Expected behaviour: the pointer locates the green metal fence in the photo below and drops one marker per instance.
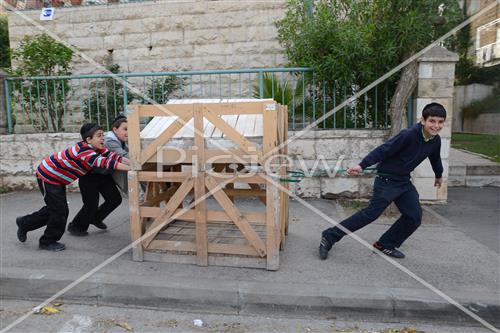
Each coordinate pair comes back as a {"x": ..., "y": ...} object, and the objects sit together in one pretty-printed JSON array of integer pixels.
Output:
[{"x": 63, "y": 103}]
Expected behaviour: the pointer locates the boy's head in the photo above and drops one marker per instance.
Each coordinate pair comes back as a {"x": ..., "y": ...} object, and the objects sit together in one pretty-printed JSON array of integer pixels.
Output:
[
  {"x": 433, "y": 117},
  {"x": 93, "y": 135},
  {"x": 119, "y": 128}
]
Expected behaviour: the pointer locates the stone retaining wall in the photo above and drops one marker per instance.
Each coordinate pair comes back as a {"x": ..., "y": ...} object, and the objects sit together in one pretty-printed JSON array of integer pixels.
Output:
[{"x": 165, "y": 35}]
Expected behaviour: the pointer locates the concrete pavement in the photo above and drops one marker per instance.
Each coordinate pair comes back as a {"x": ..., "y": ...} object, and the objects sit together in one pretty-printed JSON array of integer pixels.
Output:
[{"x": 352, "y": 282}]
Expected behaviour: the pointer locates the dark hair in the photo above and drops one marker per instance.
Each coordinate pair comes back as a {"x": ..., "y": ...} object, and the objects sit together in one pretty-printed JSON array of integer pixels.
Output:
[
  {"x": 88, "y": 130},
  {"x": 433, "y": 110},
  {"x": 118, "y": 121}
]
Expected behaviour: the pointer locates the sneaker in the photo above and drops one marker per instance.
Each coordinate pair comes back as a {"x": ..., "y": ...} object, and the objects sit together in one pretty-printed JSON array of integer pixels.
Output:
[
  {"x": 77, "y": 233},
  {"x": 55, "y": 247},
  {"x": 324, "y": 247},
  {"x": 390, "y": 252},
  {"x": 100, "y": 225},
  {"x": 21, "y": 234}
]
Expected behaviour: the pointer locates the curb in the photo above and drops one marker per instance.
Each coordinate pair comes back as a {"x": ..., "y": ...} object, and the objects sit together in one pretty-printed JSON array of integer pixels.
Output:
[{"x": 251, "y": 297}]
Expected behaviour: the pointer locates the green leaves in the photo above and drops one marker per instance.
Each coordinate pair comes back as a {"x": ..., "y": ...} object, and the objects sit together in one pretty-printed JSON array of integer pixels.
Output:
[
  {"x": 354, "y": 42},
  {"x": 41, "y": 55}
]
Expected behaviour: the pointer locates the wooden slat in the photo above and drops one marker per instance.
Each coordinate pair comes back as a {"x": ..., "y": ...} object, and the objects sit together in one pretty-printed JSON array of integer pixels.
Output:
[
  {"x": 134, "y": 140},
  {"x": 236, "y": 108},
  {"x": 269, "y": 140},
  {"x": 230, "y": 132},
  {"x": 236, "y": 216},
  {"x": 164, "y": 110},
  {"x": 240, "y": 178},
  {"x": 199, "y": 189},
  {"x": 183, "y": 246},
  {"x": 163, "y": 219},
  {"x": 212, "y": 215},
  {"x": 272, "y": 227},
  {"x": 172, "y": 156},
  {"x": 153, "y": 176},
  {"x": 135, "y": 220},
  {"x": 164, "y": 137}
]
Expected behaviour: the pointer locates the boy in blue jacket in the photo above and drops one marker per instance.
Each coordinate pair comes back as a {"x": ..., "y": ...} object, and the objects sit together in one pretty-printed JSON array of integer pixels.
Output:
[{"x": 396, "y": 159}]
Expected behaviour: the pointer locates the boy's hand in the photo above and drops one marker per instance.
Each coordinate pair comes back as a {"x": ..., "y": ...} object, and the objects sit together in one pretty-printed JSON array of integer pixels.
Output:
[
  {"x": 125, "y": 161},
  {"x": 355, "y": 170},
  {"x": 438, "y": 182}
]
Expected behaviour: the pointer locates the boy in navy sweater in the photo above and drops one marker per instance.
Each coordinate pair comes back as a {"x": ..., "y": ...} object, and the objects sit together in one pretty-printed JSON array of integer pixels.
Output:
[{"x": 396, "y": 159}]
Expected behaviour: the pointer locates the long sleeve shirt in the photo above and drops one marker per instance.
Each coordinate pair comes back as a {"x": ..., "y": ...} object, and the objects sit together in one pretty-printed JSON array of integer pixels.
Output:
[
  {"x": 404, "y": 152},
  {"x": 65, "y": 167}
]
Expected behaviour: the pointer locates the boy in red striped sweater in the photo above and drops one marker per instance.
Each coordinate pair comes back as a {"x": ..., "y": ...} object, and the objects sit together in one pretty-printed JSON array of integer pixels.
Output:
[{"x": 59, "y": 170}]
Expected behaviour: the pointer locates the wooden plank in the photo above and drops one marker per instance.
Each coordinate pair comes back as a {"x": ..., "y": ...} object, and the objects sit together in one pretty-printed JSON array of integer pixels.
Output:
[
  {"x": 163, "y": 219},
  {"x": 256, "y": 187},
  {"x": 165, "y": 245},
  {"x": 135, "y": 219},
  {"x": 213, "y": 216},
  {"x": 255, "y": 178},
  {"x": 183, "y": 246},
  {"x": 230, "y": 132},
  {"x": 134, "y": 140},
  {"x": 244, "y": 192},
  {"x": 269, "y": 140},
  {"x": 153, "y": 176},
  {"x": 236, "y": 216},
  {"x": 272, "y": 227},
  {"x": 164, "y": 137},
  {"x": 164, "y": 110},
  {"x": 185, "y": 132},
  {"x": 199, "y": 189},
  {"x": 236, "y": 108},
  {"x": 231, "y": 120},
  {"x": 172, "y": 156},
  {"x": 229, "y": 261}
]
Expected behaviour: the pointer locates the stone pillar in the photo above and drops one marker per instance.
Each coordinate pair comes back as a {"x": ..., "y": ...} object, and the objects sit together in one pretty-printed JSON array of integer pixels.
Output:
[
  {"x": 436, "y": 75},
  {"x": 3, "y": 108}
]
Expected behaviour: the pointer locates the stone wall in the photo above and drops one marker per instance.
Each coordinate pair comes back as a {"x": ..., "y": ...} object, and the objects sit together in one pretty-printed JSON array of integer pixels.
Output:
[
  {"x": 463, "y": 96},
  {"x": 486, "y": 123},
  {"x": 158, "y": 36},
  {"x": 20, "y": 154}
]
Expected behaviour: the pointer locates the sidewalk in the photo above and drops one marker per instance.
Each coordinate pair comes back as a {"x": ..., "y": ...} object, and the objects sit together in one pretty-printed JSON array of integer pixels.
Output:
[
  {"x": 353, "y": 281},
  {"x": 472, "y": 170}
]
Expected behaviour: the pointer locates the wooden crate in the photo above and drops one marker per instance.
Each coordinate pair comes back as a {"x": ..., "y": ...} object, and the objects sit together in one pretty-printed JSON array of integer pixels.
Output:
[{"x": 192, "y": 156}]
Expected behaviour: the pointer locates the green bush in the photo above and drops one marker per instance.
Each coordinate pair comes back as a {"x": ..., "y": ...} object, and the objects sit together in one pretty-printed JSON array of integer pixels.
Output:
[
  {"x": 4, "y": 42},
  {"x": 43, "y": 102}
]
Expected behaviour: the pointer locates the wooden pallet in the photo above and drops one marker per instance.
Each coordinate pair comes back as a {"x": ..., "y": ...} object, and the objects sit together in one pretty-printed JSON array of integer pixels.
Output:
[{"x": 174, "y": 223}]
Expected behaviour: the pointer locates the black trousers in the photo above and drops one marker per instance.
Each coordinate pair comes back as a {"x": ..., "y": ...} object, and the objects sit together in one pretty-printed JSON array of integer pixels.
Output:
[
  {"x": 53, "y": 215},
  {"x": 91, "y": 185},
  {"x": 385, "y": 191}
]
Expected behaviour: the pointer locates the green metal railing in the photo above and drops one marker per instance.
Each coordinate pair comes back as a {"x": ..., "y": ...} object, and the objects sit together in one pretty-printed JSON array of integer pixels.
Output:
[{"x": 63, "y": 103}]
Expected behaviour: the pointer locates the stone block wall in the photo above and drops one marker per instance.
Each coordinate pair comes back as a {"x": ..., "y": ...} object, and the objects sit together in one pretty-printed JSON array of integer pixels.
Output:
[{"x": 164, "y": 35}]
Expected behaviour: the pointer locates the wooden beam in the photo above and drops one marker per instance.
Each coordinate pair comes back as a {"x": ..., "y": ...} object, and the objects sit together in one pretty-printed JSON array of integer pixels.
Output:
[
  {"x": 164, "y": 137},
  {"x": 165, "y": 110},
  {"x": 238, "y": 219},
  {"x": 199, "y": 189},
  {"x": 134, "y": 140},
  {"x": 272, "y": 227},
  {"x": 135, "y": 219},
  {"x": 153, "y": 176},
  {"x": 230, "y": 132},
  {"x": 213, "y": 216},
  {"x": 164, "y": 218},
  {"x": 235, "y": 108}
]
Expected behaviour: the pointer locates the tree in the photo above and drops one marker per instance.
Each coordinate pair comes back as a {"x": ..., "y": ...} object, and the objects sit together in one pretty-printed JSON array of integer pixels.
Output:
[
  {"x": 353, "y": 42},
  {"x": 42, "y": 55},
  {"x": 4, "y": 42}
]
